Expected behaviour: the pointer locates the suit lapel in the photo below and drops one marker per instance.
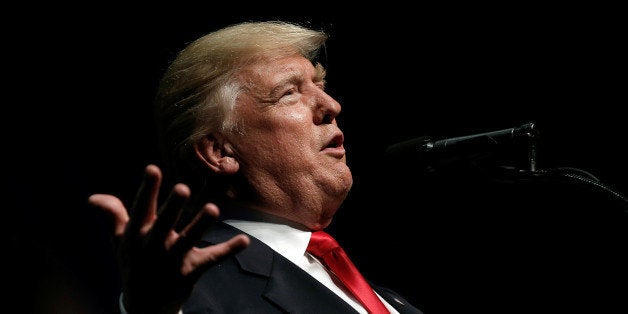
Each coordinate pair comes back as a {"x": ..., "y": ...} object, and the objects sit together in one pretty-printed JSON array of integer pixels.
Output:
[
  {"x": 288, "y": 286},
  {"x": 297, "y": 292}
]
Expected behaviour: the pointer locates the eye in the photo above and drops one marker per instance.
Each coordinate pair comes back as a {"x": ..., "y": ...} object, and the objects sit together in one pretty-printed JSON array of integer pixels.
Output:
[
  {"x": 289, "y": 95},
  {"x": 289, "y": 92}
]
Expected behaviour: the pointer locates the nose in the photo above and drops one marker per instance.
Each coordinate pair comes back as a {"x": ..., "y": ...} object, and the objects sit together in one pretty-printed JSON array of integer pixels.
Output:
[{"x": 326, "y": 108}]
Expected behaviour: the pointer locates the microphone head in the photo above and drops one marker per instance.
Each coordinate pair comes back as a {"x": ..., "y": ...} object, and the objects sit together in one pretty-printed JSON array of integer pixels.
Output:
[{"x": 411, "y": 147}]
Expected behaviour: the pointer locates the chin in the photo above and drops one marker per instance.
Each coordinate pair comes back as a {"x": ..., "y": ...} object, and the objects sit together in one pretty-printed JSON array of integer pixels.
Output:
[{"x": 345, "y": 182}]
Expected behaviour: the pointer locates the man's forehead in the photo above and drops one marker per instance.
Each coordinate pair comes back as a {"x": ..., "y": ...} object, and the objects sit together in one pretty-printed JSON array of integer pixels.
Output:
[{"x": 278, "y": 70}]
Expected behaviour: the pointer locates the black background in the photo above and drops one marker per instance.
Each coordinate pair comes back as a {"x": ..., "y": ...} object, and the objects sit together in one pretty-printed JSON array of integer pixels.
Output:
[{"x": 78, "y": 121}]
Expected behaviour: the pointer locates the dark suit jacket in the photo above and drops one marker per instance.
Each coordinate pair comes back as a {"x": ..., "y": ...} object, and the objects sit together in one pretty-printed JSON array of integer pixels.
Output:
[{"x": 260, "y": 280}]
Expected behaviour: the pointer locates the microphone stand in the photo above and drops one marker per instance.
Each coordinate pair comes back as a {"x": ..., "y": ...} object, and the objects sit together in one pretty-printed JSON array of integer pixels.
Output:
[
  {"x": 571, "y": 173},
  {"x": 483, "y": 151}
]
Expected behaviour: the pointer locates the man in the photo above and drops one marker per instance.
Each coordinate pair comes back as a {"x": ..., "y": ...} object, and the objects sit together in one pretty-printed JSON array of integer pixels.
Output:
[{"x": 246, "y": 126}]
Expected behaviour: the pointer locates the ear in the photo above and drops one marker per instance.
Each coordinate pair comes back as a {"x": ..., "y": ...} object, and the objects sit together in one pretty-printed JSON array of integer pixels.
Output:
[{"x": 217, "y": 154}]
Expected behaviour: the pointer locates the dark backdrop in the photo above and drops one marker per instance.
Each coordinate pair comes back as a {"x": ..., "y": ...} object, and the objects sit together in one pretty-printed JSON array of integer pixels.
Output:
[{"x": 463, "y": 236}]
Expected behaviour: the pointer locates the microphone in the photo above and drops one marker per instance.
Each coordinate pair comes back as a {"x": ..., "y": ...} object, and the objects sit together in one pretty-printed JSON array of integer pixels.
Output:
[{"x": 465, "y": 144}]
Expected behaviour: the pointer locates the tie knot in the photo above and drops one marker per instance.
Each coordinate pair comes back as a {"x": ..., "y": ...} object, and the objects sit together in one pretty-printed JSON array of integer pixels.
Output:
[{"x": 321, "y": 243}]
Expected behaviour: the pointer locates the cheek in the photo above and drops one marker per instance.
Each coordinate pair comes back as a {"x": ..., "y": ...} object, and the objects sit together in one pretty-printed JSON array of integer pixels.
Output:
[
  {"x": 292, "y": 131},
  {"x": 278, "y": 148},
  {"x": 283, "y": 135},
  {"x": 297, "y": 116}
]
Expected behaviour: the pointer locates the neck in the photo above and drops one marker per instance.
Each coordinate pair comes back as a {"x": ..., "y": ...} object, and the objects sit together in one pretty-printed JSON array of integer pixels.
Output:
[{"x": 233, "y": 210}]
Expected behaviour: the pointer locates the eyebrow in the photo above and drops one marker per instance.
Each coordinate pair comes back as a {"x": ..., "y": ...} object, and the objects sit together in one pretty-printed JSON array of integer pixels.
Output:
[
  {"x": 294, "y": 76},
  {"x": 320, "y": 72}
]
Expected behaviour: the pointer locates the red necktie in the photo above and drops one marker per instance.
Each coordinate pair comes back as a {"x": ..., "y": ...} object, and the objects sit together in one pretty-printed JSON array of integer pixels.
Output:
[{"x": 323, "y": 246}]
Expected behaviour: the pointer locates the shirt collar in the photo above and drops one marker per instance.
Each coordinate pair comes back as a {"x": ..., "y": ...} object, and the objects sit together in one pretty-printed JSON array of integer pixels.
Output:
[{"x": 285, "y": 240}]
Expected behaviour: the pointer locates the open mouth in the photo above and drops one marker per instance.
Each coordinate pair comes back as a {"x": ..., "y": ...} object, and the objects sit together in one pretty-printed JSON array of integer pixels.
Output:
[{"x": 336, "y": 141}]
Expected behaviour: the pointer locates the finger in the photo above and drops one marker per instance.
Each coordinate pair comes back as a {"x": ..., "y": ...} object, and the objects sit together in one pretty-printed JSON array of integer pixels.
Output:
[
  {"x": 114, "y": 207},
  {"x": 197, "y": 260},
  {"x": 170, "y": 213},
  {"x": 144, "y": 209},
  {"x": 190, "y": 235}
]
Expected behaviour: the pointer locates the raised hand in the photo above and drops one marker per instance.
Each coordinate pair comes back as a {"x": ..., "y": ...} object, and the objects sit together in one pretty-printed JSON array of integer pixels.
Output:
[{"x": 160, "y": 266}]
